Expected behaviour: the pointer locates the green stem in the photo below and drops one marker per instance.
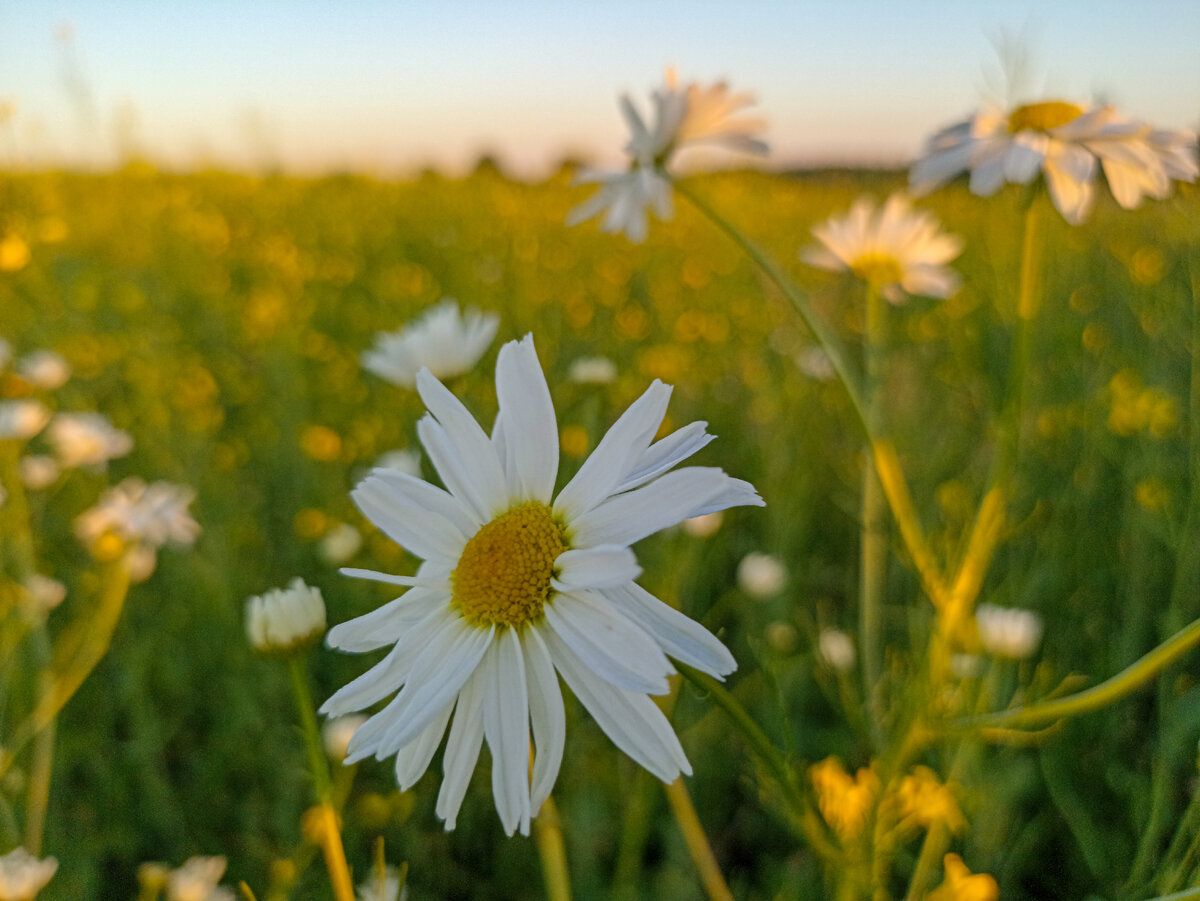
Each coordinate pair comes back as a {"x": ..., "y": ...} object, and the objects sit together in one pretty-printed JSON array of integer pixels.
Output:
[
  {"x": 873, "y": 551},
  {"x": 824, "y": 336},
  {"x": 1123, "y": 683},
  {"x": 767, "y": 753},
  {"x": 317, "y": 765},
  {"x": 547, "y": 833}
]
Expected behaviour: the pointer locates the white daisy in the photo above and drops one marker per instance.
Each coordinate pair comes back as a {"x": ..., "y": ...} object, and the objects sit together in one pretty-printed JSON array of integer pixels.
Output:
[
  {"x": 1008, "y": 631},
  {"x": 149, "y": 515},
  {"x": 22, "y": 875},
  {"x": 86, "y": 439},
  {"x": 1066, "y": 143},
  {"x": 681, "y": 117},
  {"x": 22, "y": 419},
  {"x": 197, "y": 880},
  {"x": 45, "y": 369},
  {"x": 897, "y": 250},
  {"x": 518, "y": 583},
  {"x": 445, "y": 341},
  {"x": 285, "y": 619}
]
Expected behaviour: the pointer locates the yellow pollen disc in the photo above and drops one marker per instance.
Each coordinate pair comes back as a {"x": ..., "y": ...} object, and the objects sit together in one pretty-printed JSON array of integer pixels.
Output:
[
  {"x": 878, "y": 269},
  {"x": 1043, "y": 116},
  {"x": 503, "y": 575}
]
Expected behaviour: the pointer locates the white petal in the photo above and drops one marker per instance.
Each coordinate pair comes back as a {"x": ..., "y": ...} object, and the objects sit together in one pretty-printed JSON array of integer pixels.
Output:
[
  {"x": 931, "y": 281},
  {"x": 987, "y": 175},
  {"x": 1069, "y": 175},
  {"x": 546, "y": 715},
  {"x": 663, "y": 454},
  {"x": 437, "y": 674},
  {"x": 388, "y": 674},
  {"x": 472, "y": 444},
  {"x": 454, "y": 469},
  {"x": 429, "y": 497},
  {"x": 1024, "y": 157},
  {"x": 434, "y": 580},
  {"x": 384, "y": 625},
  {"x": 631, "y": 720},
  {"x": 678, "y": 635},
  {"x": 595, "y": 567},
  {"x": 506, "y": 725},
  {"x": 607, "y": 643},
  {"x": 737, "y": 493},
  {"x": 632, "y": 516},
  {"x": 606, "y": 466},
  {"x": 423, "y": 532},
  {"x": 413, "y": 759},
  {"x": 462, "y": 748},
  {"x": 530, "y": 427}
]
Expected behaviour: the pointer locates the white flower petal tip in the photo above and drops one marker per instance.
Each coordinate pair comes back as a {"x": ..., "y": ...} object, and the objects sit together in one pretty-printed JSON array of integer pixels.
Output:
[
  {"x": 1067, "y": 144},
  {"x": 518, "y": 587},
  {"x": 444, "y": 340},
  {"x": 682, "y": 117},
  {"x": 893, "y": 248}
]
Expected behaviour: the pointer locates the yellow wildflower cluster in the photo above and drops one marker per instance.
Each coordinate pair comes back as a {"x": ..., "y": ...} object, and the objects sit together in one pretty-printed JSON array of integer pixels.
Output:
[
  {"x": 962, "y": 885},
  {"x": 845, "y": 801},
  {"x": 1135, "y": 408},
  {"x": 924, "y": 800}
]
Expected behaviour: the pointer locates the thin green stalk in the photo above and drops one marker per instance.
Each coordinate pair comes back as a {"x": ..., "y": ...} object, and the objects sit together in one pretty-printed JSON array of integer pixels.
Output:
[
  {"x": 767, "y": 753},
  {"x": 873, "y": 550},
  {"x": 825, "y": 338},
  {"x": 1123, "y": 683},
  {"x": 325, "y": 817},
  {"x": 547, "y": 833},
  {"x": 697, "y": 842}
]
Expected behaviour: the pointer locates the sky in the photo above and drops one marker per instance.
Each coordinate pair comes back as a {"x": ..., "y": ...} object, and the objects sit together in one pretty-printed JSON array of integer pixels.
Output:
[{"x": 390, "y": 87}]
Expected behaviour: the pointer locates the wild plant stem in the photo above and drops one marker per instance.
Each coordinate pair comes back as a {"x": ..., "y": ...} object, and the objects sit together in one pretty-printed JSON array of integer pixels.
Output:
[
  {"x": 873, "y": 550},
  {"x": 547, "y": 832},
  {"x": 697, "y": 842}
]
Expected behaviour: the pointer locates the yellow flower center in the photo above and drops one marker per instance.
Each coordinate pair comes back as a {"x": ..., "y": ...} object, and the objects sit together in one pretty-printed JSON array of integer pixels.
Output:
[
  {"x": 503, "y": 575},
  {"x": 1043, "y": 116},
  {"x": 878, "y": 268}
]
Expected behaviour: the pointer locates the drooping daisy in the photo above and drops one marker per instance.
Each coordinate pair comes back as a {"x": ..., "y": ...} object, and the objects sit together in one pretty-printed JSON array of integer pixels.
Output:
[
  {"x": 1064, "y": 142},
  {"x": 681, "y": 117},
  {"x": 135, "y": 519},
  {"x": 444, "y": 340},
  {"x": 894, "y": 248},
  {"x": 86, "y": 439},
  {"x": 22, "y": 875},
  {"x": 518, "y": 583}
]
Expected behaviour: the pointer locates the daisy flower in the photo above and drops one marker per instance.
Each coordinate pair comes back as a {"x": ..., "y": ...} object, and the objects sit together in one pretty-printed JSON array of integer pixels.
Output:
[
  {"x": 896, "y": 250},
  {"x": 517, "y": 583},
  {"x": 681, "y": 117},
  {"x": 444, "y": 340},
  {"x": 285, "y": 619},
  {"x": 22, "y": 875},
  {"x": 138, "y": 518},
  {"x": 86, "y": 439},
  {"x": 1064, "y": 142}
]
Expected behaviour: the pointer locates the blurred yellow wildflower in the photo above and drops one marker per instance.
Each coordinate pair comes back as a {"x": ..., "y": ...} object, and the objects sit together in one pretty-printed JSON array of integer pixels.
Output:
[
  {"x": 309, "y": 524},
  {"x": 574, "y": 440},
  {"x": 1135, "y": 408},
  {"x": 923, "y": 799},
  {"x": 844, "y": 801},
  {"x": 14, "y": 253},
  {"x": 962, "y": 885},
  {"x": 1152, "y": 494},
  {"x": 320, "y": 443}
]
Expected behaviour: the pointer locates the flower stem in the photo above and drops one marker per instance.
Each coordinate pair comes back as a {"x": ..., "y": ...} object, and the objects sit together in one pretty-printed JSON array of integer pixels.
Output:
[
  {"x": 824, "y": 337},
  {"x": 697, "y": 842},
  {"x": 1125, "y": 682},
  {"x": 873, "y": 551},
  {"x": 547, "y": 832},
  {"x": 325, "y": 816}
]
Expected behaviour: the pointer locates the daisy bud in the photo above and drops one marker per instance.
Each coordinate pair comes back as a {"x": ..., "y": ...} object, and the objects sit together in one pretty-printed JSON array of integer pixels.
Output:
[
  {"x": 285, "y": 620},
  {"x": 704, "y": 525},
  {"x": 1008, "y": 632},
  {"x": 837, "y": 649},
  {"x": 337, "y": 732},
  {"x": 22, "y": 875},
  {"x": 761, "y": 575}
]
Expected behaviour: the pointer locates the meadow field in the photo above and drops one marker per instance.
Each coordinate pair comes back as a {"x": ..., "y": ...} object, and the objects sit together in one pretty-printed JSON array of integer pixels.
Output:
[{"x": 219, "y": 320}]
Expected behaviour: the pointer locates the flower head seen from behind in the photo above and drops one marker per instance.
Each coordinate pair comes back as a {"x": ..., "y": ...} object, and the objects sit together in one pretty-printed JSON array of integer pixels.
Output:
[
  {"x": 285, "y": 619},
  {"x": 444, "y": 340},
  {"x": 135, "y": 520},
  {"x": 681, "y": 117},
  {"x": 893, "y": 248},
  {"x": 518, "y": 584},
  {"x": 197, "y": 880},
  {"x": 1065, "y": 143},
  {"x": 87, "y": 439},
  {"x": 22, "y": 875}
]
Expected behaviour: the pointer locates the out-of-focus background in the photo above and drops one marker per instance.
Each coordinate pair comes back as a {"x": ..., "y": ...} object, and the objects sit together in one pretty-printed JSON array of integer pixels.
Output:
[{"x": 391, "y": 87}]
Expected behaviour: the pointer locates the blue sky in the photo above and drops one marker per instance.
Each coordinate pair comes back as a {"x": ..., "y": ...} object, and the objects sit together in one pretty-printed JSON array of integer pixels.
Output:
[{"x": 392, "y": 86}]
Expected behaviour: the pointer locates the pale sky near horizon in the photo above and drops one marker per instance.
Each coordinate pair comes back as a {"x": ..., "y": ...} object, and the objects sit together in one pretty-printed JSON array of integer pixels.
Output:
[{"x": 389, "y": 87}]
